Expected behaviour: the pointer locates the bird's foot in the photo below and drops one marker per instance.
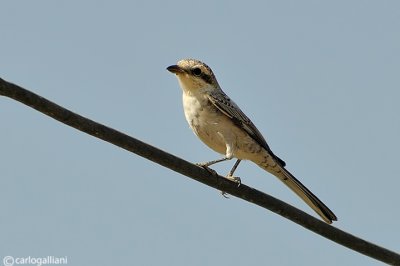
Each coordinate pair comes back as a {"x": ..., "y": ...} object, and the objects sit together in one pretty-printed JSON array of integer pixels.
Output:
[
  {"x": 205, "y": 166},
  {"x": 235, "y": 179},
  {"x": 224, "y": 194}
]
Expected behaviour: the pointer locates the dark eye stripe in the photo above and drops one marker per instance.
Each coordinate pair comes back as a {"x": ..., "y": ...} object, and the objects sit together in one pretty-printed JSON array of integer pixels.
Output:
[
  {"x": 197, "y": 72},
  {"x": 206, "y": 78}
]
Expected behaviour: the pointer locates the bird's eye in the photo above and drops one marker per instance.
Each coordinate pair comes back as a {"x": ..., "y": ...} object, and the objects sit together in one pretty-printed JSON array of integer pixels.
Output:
[{"x": 196, "y": 71}]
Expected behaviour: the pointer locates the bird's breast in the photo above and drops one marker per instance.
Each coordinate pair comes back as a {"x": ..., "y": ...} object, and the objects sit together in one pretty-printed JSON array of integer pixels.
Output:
[
  {"x": 217, "y": 130},
  {"x": 206, "y": 121}
]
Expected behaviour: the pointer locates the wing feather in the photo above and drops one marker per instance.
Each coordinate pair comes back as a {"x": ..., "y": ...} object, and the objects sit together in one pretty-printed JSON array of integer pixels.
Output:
[{"x": 229, "y": 108}]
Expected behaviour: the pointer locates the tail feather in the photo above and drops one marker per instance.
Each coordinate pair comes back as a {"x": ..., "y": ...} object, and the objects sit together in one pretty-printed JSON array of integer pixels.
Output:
[{"x": 304, "y": 193}]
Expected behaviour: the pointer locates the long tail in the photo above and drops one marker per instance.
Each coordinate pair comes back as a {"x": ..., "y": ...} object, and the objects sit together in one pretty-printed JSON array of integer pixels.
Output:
[{"x": 304, "y": 193}]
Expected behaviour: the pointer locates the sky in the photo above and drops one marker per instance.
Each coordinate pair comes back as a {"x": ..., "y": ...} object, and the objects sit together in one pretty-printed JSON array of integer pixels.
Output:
[{"x": 320, "y": 79}]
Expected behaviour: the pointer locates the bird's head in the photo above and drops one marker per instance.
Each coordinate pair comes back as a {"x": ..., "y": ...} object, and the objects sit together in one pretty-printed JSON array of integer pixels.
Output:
[{"x": 194, "y": 75}]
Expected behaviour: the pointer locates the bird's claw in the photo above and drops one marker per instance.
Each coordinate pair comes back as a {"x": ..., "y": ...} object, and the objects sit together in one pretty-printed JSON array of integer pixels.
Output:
[
  {"x": 235, "y": 179},
  {"x": 224, "y": 194},
  {"x": 232, "y": 178},
  {"x": 211, "y": 171}
]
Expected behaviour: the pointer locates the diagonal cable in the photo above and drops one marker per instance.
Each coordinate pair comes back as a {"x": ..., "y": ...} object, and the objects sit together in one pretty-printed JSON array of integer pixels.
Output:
[{"x": 197, "y": 173}]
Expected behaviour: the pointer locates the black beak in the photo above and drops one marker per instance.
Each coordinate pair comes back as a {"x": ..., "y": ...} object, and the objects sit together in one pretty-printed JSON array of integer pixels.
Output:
[{"x": 175, "y": 69}]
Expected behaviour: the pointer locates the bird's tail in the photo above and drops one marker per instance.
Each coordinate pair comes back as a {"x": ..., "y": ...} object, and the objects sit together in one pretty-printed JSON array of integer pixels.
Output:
[{"x": 304, "y": 193}]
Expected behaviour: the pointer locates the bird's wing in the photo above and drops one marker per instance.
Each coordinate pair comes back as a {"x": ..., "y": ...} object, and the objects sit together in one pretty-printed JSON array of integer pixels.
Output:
[{"x": 229, "y": 108}]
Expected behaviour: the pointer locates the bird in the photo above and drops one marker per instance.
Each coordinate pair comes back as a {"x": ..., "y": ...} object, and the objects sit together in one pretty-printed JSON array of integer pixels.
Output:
[{"x": 222, "y": 126}]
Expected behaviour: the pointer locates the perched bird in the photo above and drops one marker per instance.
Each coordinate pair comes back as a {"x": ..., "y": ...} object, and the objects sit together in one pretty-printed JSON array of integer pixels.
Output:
[{"x": 223, "y": 127}]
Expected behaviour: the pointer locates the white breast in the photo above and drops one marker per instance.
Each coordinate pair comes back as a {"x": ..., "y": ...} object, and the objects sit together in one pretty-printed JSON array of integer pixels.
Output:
[
  {"x": 216, "y": 129},
  {"x": 205, "y": 121}
]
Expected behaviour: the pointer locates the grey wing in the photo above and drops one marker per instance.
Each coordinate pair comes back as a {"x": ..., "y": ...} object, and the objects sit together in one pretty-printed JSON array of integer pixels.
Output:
[{"x": 229, "y": 108}]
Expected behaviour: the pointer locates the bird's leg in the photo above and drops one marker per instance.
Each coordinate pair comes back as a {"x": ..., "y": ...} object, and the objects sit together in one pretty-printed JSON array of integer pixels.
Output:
[
  {"x": 230, "y": 174},
  {"x": 232, "y": 178},
  {"x": 207, "y": 164},
  {"x": 234, "y": 167}
]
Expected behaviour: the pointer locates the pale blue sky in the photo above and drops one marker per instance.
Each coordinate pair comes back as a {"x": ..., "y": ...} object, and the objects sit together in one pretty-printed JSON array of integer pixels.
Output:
[{"x": 319, "y": 79}]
